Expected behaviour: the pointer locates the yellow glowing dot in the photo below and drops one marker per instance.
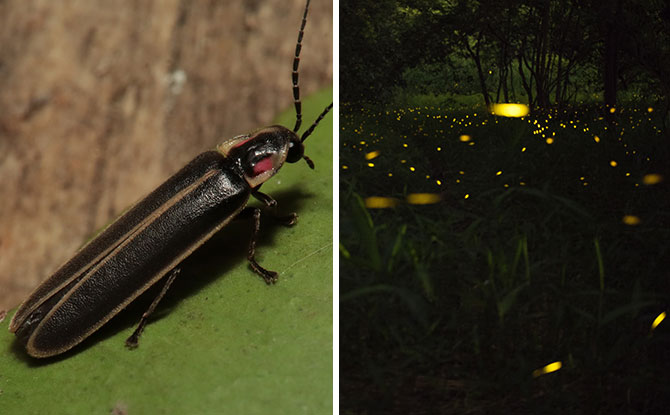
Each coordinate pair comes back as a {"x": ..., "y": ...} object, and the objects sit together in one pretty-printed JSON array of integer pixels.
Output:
[
  {"x": 403, "y": 161},
  {"x": 549, "y": 140},
  {"x": 423, "y": 198},
  {"x": 404, "y": 144},
  {"x": 362, "y": 143},
  {"x": 390, "y": 174},
  {"x": 499, "y": 172},
  {"x": 439, "y": 149},
  {"x": 612, "y": 110},
  {"x": 650, "y": 109},
  {"x": 461, "y": 172},
  {"x": 523, "y": 149},
  {"x": 464, "y": 138},
  {"x": 510, "y": 110},
  {"x": 466, "y": 196},
  {"x": 631, "y": 220},
  {"x": 596, "y": 138},
  {"x": 376, "y": 202},
  {"x": 613, "y": 163},
  {"x": 412, "y": 169},
  {"x": 371, "y": 164},
  {"x": 652, "y": 178},
  {"x": 551, "y": 367},
  {"x": 439, "y": 182},
  {"x": 345, "y": 167},
  {"x": 371, "y": 155}
]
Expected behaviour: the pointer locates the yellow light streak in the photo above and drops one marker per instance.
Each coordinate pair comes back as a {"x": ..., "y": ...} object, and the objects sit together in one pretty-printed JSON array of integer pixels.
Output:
[
  {"x": 378, "y": 202},
  {"x": 658, "y": 320},
  {"x": 423, "y": 198},
  {"x": 551, "y": 367}
]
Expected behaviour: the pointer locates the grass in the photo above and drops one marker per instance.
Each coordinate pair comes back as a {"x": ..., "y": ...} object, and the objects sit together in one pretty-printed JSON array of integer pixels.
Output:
[{"x": 508, "y": 244}]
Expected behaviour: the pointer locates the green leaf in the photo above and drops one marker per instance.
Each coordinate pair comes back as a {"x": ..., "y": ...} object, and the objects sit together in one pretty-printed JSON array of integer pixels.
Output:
[{"x": 221, "y": 341}]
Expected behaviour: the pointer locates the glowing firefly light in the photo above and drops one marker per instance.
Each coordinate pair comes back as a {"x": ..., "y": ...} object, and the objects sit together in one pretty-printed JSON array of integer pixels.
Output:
[
  {"x": 510, "y": 110},
  {"x": 652, "y": 178},
  {"x": 371, "y": 155},
  {"x": 631, "y": 220},
  {"x": 423, "y": 198},
  {"x": 596, "y": 138},
  {"x": 377, "y": 202},
  {"x": 658, "y": 320},
  {"x": 465, "y": 138},
  {"x": 613, "y": 163},
  {"x": 551, "y": 367}
]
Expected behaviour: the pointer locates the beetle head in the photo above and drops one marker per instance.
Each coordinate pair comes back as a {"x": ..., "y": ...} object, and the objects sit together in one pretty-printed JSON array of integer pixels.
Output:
[{"x": 262, "y": 153}]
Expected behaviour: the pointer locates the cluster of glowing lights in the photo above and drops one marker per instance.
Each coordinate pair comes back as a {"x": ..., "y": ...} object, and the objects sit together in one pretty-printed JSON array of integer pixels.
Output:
[{"x": 462, "y": 131}]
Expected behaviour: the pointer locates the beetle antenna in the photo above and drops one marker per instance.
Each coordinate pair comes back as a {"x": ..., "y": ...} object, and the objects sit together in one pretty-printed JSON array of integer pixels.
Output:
[
  {"x": 295, "y": 75},
  {"x": 316, "y": 122}
]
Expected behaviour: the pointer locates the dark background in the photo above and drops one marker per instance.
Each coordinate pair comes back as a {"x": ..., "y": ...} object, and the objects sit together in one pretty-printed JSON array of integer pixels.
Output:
[{"x": 543, "y": 239}]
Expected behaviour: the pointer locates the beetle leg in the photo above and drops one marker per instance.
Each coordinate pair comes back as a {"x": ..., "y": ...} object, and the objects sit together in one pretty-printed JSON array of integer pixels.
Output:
[
  {"x": 270, "y": 277},
  {"x": 265, "y": 198},
  {"x": 287, "y": 220},
  {"x": 132, "y": 341}
]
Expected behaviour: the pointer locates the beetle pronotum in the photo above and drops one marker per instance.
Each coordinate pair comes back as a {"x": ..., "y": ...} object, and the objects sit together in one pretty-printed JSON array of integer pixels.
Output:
[{"x": 147, "y": 243}]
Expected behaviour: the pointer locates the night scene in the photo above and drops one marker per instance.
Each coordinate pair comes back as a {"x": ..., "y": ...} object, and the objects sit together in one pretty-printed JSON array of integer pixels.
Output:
[{"x": 504, "y": 207}]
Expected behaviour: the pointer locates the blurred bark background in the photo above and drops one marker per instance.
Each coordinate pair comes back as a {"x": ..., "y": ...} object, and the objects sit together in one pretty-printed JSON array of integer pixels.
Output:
[{"x": 101, "y": 101}]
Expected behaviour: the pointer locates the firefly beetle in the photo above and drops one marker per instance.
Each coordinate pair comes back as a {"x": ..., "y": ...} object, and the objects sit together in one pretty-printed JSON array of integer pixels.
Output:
[{"x": 147, "y": 243}]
